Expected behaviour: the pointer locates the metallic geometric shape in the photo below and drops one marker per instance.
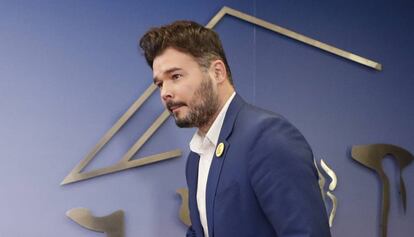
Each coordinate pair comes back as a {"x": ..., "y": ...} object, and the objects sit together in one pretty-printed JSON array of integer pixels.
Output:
[
  {"x": 331, "y": 173},
  {"x": 184, "y": 210},
  {"x": 371, "y": 156},
  {"x": 334, "y": 201},
  {"x": 291, "y": 34},
  {"x": 112, "y": 225},
  {"x": 125, "y": 163}
]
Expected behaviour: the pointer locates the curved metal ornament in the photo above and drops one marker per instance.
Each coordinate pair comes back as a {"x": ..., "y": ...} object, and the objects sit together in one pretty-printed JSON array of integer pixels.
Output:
[
  {"x": 371, "y": 156},
  {"x": 331, "y": 188},
  {"x": 112, "y": 225},
  {"x": 334, "y": 202},
  {"x": 184, "y": 212}
]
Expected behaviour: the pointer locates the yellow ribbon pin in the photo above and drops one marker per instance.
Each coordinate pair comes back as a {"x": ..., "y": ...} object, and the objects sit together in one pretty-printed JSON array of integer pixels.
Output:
[{"x": 220, "y": 149}]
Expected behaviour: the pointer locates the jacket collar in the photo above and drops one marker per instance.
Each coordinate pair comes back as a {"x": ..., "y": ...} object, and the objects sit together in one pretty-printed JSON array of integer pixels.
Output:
[{"x": 231, "y": 116}]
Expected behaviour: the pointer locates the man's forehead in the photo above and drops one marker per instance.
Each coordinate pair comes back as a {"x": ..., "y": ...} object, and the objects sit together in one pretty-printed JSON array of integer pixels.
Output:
[{"x": 171, "y": 60}]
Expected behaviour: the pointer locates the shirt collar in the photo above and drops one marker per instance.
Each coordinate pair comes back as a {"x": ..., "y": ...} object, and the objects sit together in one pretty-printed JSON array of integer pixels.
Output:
[{"x": 199, "y": 143}]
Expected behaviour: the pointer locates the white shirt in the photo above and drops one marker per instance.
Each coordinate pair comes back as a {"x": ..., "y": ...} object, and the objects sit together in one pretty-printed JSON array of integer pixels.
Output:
[{"x": 205, "y": 147}]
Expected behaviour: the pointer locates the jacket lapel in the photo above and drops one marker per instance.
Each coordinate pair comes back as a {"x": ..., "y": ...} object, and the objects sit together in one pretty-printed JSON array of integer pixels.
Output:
[
  {"x": 192, "y": 177},
  {"x": 217, "y": 163}
]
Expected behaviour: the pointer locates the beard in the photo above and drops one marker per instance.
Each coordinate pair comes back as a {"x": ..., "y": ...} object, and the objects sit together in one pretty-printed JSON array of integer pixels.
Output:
[{"x": 202, "y": 107}]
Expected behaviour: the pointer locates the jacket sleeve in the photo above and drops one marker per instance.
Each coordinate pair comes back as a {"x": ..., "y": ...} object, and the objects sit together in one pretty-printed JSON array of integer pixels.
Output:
[
  {"x": 190, "y": 232},
  {"x": 284, "y": 179}
]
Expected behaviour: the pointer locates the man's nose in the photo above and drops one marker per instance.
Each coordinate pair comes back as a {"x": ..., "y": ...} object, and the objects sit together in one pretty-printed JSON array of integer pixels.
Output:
[{"x": 166, "y": 92}]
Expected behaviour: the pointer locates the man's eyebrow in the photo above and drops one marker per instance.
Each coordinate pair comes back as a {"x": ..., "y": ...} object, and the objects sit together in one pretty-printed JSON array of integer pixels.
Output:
[{"x": 169, "y": 71}]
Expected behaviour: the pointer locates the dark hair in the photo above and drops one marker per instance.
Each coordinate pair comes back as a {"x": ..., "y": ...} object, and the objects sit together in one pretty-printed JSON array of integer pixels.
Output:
[{"x": 188, "y": 37}]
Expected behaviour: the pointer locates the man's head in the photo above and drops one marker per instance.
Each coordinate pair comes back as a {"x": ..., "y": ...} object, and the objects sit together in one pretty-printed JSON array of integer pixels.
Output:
[
  {"x": 188, "y": 37},
  {"x": 190, "y": 68}
]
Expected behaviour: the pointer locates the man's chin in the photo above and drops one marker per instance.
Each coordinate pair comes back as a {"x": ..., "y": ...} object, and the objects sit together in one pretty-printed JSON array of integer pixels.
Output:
[{"x": 183, "y": 123}]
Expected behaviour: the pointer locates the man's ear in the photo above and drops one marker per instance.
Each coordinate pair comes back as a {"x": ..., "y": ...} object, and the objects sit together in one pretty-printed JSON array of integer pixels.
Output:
[{"x": 218, "y": 71}]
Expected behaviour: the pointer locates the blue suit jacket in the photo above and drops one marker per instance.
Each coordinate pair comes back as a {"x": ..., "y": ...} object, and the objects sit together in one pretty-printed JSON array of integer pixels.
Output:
[{"x": 263, "y": 185}]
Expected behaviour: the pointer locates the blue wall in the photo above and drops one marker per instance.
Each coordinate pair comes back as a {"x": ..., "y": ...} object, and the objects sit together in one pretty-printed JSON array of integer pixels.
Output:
[{"x": 70, "y": 69}]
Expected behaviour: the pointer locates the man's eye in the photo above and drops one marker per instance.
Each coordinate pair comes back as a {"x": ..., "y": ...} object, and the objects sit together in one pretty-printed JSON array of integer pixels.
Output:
[
  {"x": 159, "y": 85},
  {"x": 176, "y": 76}
]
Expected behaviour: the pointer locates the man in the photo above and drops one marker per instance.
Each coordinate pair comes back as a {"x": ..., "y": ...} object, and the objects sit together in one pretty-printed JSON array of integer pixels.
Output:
[{"x": 250, "y": 172}]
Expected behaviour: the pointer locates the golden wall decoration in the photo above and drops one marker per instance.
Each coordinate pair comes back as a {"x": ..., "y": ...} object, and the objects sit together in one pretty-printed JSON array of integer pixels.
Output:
[
  {"x": 293, "y": 35},
  {"x": 184, "y": 212},
  {"x": 125, "y": 163},
  {"x": 371, "y": 156},
  {"x": 112, "y": 225}
]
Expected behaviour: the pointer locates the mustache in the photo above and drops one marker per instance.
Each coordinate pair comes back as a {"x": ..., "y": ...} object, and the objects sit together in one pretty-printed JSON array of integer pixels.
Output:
[{"x": 170, "y": 104}]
